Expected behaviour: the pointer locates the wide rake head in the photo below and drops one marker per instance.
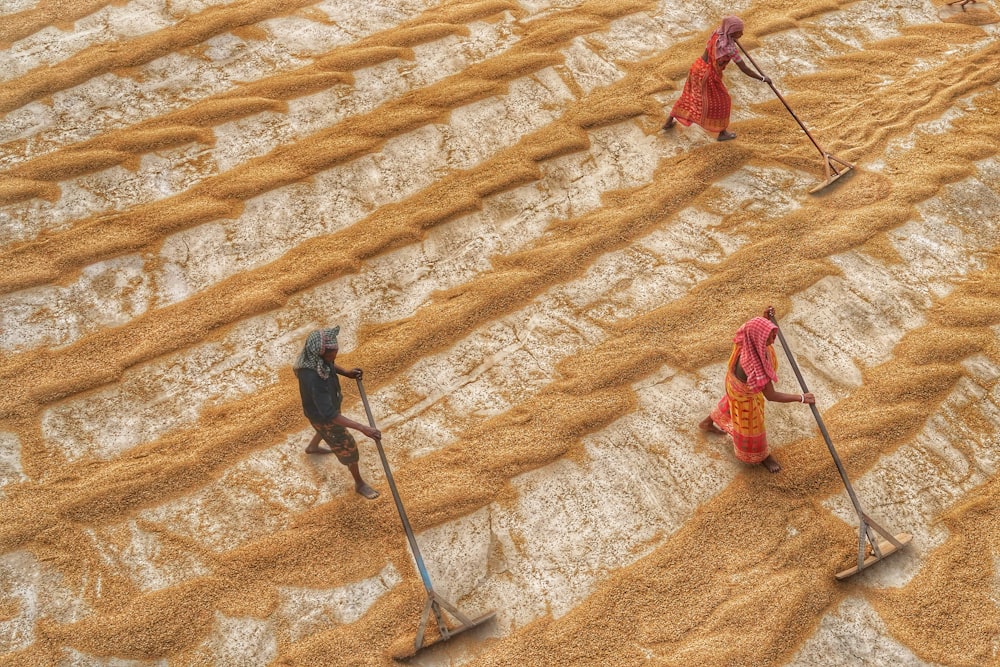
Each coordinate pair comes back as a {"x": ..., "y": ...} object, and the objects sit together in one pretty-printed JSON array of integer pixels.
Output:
[
  {"x": 885, "y": 549},
  {"x": 834, "y": 168}
]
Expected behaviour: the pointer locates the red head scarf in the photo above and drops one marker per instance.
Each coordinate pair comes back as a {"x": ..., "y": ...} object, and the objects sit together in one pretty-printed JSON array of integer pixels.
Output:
[
  {"x": 724, "y": 45},
  {"x": 754, "y": 357}
]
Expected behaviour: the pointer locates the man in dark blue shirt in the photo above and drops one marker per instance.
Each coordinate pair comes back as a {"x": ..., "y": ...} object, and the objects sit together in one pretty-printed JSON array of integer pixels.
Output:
[{"x": 319, "y": 389}]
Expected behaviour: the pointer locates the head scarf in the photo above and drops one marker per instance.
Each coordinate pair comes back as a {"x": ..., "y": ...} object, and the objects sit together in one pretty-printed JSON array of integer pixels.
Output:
[
  {"x": 317, "y": 343},
  {"x": 754, "y": 357},
  {"x": 725, "y": 45}
]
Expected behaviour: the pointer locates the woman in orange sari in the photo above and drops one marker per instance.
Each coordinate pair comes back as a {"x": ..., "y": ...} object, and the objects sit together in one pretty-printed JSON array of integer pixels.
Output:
[
  {"x": 705, "y": 100},
  {"x": 750, "y": 377}
]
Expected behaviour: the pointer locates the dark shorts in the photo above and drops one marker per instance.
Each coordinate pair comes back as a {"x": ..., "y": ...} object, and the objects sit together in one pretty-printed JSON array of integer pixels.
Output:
[{"x": 340, "y": 441}]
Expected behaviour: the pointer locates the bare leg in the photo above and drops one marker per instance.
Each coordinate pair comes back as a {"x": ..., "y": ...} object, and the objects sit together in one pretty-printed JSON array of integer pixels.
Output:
[
  {"x": 726, "y": 135},
  {"x": 671, "y": 121},
  {"x": 360, "y": 485},
  {"x": 708, "y": 426},
  {"x": 313, "y": 446},
  {"x": 771, "y": 464}
]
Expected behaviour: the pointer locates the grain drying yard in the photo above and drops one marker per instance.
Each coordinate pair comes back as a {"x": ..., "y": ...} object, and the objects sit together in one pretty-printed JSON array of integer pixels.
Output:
[{"x": 541, "y": 286}]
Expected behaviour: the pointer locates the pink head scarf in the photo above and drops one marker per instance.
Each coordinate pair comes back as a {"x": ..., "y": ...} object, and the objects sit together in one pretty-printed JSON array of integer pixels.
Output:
[
  {"x": 754, "y": 357},
  {"x": 724, "y": 45}
]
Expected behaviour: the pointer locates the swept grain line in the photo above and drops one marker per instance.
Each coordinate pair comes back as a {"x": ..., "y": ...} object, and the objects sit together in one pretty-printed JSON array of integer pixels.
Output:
[
  {"x": 56, "y": 255},
  {"x": 756, "y": 502},
  {"x": 99, "y": 59},
  {"x": 954, "y": 590},
  {"x": 682, "y": 598},
  {"x": 694, "y": 614},
  {"x": 37, "y": 177},
  {"x": 48, "y": 12},
  {"x": 598, "y": 383},
  {"x": 270, "y": 286},
  {"x": 565, "y": 253},
  {"x": 683, "y": 603}
]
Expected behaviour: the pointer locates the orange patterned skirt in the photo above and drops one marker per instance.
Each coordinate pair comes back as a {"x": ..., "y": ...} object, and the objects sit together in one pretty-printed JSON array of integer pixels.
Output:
[
  {"x": 705, "y": 100},
  {"x": 740, "y": 413}
]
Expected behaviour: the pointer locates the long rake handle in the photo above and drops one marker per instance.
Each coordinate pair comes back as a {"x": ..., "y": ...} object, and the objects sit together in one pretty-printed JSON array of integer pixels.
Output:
[
  {"x": 866, "y": 521},
  {"x": 395, "y": 496},
  {"x": 819, "y": 422},
  {"x": 804, "y": 129}
]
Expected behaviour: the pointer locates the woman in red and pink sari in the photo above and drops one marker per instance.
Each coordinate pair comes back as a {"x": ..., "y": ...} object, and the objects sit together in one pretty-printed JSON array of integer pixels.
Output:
[
  {"x": 750, "y": 377},
  {"x": 705, "y": 100}
]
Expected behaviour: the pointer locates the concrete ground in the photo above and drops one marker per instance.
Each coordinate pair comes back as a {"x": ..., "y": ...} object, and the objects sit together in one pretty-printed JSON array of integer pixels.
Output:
[{"x": 541, "y": 286}]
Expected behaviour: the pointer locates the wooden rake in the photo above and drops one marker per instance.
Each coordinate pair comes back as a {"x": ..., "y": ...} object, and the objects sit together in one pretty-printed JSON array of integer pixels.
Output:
[
  {"x": 833, "y": 166},
  {"x": 880, "y": 549},
  {"x": 435, "y": 603}
]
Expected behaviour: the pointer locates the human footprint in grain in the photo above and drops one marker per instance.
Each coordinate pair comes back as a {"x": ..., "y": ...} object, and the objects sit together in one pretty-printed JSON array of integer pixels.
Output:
[
  {"x": 319, "y": 388},
  {"x": 750, "y": 376}
]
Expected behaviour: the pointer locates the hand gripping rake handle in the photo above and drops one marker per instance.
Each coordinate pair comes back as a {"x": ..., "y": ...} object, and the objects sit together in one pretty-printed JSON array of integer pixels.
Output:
[{"x": 866, "y": 521}]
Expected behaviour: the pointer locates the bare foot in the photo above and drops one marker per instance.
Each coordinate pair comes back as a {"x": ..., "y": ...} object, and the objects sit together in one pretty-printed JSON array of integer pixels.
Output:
[
  {"x": 771, "y": 464},
  {"x": 313, "y": 449},
  {"x": 366, "y": 491},
  {"x": 708, "y": 426},
  {"x": 671, "y": 121},
  {"x": 725, "y": 135}
]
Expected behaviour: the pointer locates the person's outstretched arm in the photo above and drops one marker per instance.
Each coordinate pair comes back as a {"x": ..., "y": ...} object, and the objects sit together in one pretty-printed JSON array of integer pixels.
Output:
[
  {"x": 320, "y": 393},
  {"x": 354, "y": 373},
  {"x": 750, "y": 73},
  {"x": 772, "y": 394},
  {"x": 372, "y": 433}
]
